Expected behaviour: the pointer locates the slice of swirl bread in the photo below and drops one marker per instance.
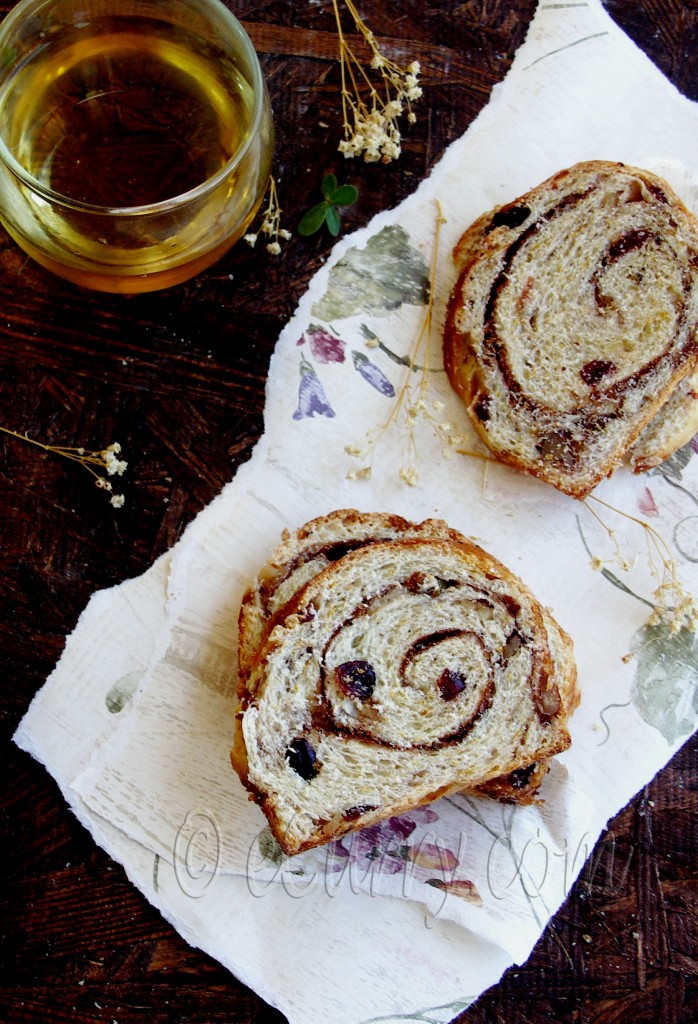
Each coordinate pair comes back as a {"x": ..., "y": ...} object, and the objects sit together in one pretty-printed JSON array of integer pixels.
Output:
[
  {"x": 300, "y": 556},
  {"x": 405, "y": 670},
  {"x": 675, "y": 425},
  {"x": 574, "y": 319}
]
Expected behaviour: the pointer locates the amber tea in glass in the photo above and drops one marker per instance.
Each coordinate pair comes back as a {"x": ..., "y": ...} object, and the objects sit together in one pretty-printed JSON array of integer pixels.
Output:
[{"x": 135, "y": 137}]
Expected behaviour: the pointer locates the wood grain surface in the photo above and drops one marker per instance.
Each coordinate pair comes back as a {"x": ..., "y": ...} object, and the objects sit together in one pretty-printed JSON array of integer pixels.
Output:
[{"x": 177, "y": 378}]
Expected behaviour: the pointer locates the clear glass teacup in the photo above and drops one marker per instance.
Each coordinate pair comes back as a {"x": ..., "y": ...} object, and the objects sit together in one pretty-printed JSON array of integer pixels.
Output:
[{"x": 135, "y": 137}]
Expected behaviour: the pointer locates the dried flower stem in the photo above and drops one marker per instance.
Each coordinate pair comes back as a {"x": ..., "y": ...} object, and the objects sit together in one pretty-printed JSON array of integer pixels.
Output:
[
  {"x": 412, "y": 395},
  {"x": 370, "y": 126},
  {"x": 271, "y": 222},
  {"x": 673, "y": 605},
  {"x": 477, "y": 455},
  {"x": 411, "y": 401},
  {"x": 106, "y": 460}
]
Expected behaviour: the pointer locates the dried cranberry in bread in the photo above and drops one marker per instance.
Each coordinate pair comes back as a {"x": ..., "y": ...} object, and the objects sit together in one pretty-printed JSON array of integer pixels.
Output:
[
  {"x": 574, "y": 320},
  {"x": 405, "y": 670},
  {"x": 304, "y": 553}
]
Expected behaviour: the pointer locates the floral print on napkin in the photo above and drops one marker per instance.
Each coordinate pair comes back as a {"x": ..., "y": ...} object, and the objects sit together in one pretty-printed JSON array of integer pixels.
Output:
[
  {"x": 665, "y": 688},
  {"x": 434, "y": 1015},
  {"x": 387, "y": 273},
  {"x": 377, "y": 279},
  {"x": 311, "y": 394},
  {"x": 395, "y": 846}
]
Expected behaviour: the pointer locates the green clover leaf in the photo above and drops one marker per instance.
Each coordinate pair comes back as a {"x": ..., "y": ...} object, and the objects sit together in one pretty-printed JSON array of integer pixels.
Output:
[
  {"x": 332, "y": 220},
  {"x": 345, "y": 195},
  {"x": 313, "y": 220},
  {"x": 327, "y": 212},
  {"x": 329, "y": 185}
]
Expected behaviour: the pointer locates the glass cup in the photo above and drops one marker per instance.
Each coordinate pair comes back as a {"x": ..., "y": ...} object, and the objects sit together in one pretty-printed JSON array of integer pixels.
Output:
[{"x": 135, "y": 137}]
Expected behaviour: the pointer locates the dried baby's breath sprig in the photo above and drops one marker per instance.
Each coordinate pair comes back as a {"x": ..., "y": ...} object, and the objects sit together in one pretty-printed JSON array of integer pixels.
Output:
[
  {"x": 271, "y": 223},
  {"x": 371, "y": 117},
  {"x": 412, "y": 403},
  {"x": 672, "y": 605},
  {"x": 98, "y": 463},
  {"x": 483, "y": 456}
]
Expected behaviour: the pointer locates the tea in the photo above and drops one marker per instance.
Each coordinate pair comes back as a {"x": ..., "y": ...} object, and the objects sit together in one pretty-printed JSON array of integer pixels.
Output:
[{"x": 120, "y": 114}]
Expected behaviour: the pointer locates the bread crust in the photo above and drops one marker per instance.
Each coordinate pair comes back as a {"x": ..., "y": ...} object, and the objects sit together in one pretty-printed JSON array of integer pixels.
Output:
[
  {"x": 674, "y": 426},
  {"x": 364, "y": 602},
  {"x": 301, "y": 555},
  {"x": 574, "y": 319}
]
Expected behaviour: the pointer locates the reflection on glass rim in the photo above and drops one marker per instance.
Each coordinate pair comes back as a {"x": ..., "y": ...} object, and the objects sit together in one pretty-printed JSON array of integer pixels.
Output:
[{"x": 209, "y": 185}]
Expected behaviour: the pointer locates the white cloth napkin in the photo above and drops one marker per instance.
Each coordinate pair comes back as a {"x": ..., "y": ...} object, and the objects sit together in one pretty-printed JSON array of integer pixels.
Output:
[{"x": 415, "y": 918}]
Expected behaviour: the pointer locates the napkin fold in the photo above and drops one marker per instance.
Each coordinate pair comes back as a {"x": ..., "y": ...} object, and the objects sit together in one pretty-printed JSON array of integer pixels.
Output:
[{"x": 414, "y": 919}]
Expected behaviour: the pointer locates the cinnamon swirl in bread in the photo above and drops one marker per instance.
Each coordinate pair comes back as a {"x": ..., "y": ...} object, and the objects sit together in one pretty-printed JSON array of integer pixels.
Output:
[
  {"x": 403, "y": 670},
  {"x": 311, "y": 548},
  {"x": 304, "y": 553},
  {"x": 574, "y": 321}
]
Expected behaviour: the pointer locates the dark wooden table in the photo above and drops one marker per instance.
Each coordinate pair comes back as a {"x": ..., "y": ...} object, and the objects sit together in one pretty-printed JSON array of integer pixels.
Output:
[{"x": 178, "y": 378}]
